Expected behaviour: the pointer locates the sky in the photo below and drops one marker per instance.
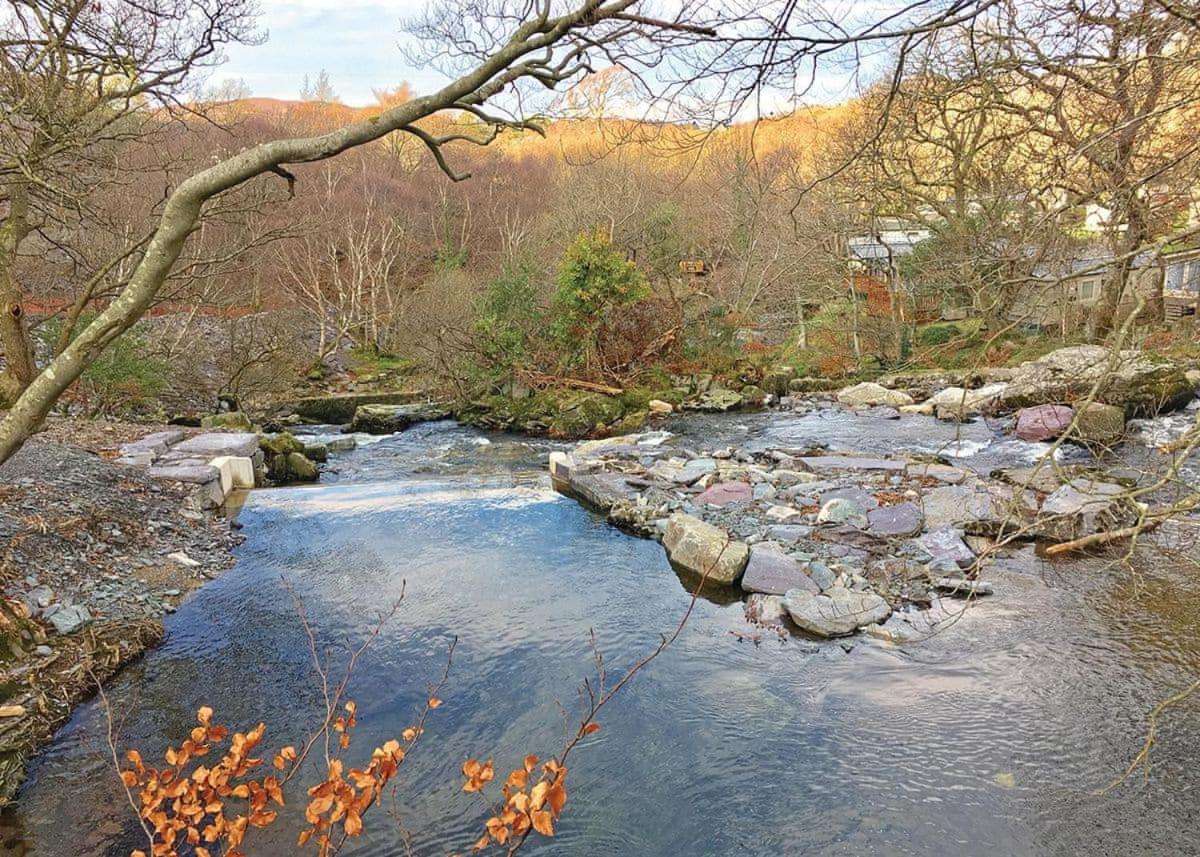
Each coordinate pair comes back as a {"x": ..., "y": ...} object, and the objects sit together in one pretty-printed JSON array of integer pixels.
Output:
[{"x": 355, "y": 41}]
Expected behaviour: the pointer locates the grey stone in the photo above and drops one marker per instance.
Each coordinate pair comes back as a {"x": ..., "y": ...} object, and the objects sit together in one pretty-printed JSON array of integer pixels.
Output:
[
  {"x": 773, "y": 572},
  {"x": 1083, "y": 507},
  {"x": 765, "y": 609},
  {"x": 946, "y": 544},
  {"x": 903, "y": 519},
  {"x": 195, "y": 474},
  {"x": 388, "y": 419},
  {"x": 790, "y": 533},
  {"x": 958, "y": 587},
  {"x": 977, "y": 510},
  {"x": 849, "y": 462},
  {"x": 821, "y": 574},
  {"x": 213, "y": 444},
  {"x": 68, "y": 620},
  {"x": 841, "y": 510},
  {"x": 1137, "y": 383},
  {"x": 836, "y": 612},
  {"x": 858, "y": 496}
]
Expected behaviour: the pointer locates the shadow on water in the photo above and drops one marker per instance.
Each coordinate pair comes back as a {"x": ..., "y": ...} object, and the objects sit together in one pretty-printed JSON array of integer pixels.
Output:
[{"x": 988, "y": 739}]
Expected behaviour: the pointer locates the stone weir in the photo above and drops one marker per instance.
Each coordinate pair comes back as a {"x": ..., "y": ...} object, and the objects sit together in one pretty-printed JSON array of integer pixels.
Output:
[
  {"x": 835, "y": 544},
  {"x": 217, "y": 463}
]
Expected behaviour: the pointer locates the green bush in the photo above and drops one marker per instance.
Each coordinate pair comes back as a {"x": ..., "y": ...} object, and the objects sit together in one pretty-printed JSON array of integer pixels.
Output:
[
  {"x": 507, "y": 319},
  {"x": 594, "y": 279},
  {"x": 938, "y": 334},
  {"x": 124, "y": 379}
]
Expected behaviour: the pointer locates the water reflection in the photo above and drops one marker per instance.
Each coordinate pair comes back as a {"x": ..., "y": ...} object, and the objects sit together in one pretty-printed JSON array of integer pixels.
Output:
[{"x": 989, "y": 738}]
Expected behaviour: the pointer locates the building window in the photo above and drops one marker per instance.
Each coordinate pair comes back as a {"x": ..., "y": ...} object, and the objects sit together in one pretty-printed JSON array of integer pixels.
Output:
[{"x": 1087, "y": 290}]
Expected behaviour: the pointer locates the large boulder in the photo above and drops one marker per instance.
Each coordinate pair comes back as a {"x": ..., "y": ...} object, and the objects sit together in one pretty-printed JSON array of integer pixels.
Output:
[
  {"x": 388, "y": 419},
  {"x": 869, "y": 393},
  {"x": 836, "y": 612},
  {"x": 716, "y": 400},
  {"x": 959, "y": 403},
  {"x": 1099, "y": 424},
  {"x": 702, "y": 549},
  {"x": 1083, "y": 507},
  {"x": 1043, "y": 422},
  {"x": 978, "y": 510},
  {"x": 1131, "y": 380}
]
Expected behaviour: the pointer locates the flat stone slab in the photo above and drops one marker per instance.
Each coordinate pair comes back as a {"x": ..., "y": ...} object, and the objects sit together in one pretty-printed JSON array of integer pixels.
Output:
[
  {"x": 940, "y": 472},
  {"x": 724, "y": 493},
  {"x": 849, "y": 462},
  {"x": 773, "y": 572},
  {"x": 858, "y": 496},
  {"x": 836, "y": 612},
  {"x": 598, "y": 490},
  {"x": 903, "y": 519},
  {"x": 195, "y": 474},
  {"x": 947, "y": 547},
  {"x": 213, "y": 444},
  {"x": 702, "y": 549}
]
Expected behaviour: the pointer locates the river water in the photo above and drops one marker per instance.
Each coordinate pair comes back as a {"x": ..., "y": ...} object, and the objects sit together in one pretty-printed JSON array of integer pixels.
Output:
[{"x": 992, "y": 738}]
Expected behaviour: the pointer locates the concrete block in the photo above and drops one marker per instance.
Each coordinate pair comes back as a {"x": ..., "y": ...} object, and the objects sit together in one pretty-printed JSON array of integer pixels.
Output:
[{"x": 236, "y": 471}]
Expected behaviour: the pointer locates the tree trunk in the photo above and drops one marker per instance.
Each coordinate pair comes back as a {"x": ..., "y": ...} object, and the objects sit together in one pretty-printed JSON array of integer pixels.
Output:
[{"x": 20, "y": 367}]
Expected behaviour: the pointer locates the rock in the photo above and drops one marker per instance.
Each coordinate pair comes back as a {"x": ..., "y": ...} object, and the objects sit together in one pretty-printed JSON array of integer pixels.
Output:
[
  {"x": 782, "y": 514},
  {"x": 857, "y": 495},
  {"x": 821, "y": 574},
  {"x": 339, "y": 408},
  {"x": 1131, "y": 380},
  {"x": 812, "y": 385},
  {"x": 694, "y": 471},
  {"x": 773, "y": 572},
  {"x": 346, "y": 443},
  {"x": 784, "y": 478},
  {"x": 776, "y": 380},
  {"x": 389, "y": 419},
  {"x": 598, "y": 491},
  {"x": 947, "y": 548},
  {"x": 183, "y": 559},
  {"x": 1041, "y": 423},
  {"x": 318, "y": 452},
  {"x": 194, "y": 474},
  {"x": 922, "y": 409},
  {"x": 659, "y": 408},
  {"x": 1193, "y": 378},
  {"x": 236, "y": 472},
  {"x": 1099, "y": 424},
  {"x": 212, "y": 444},
  {"x": 280, "y": 444},
  {"x": 977, "y": 510},
  {"x": 836, "y": 612},
  {"x": 43, "y": 651},
  {"x": 850, "y": 462},
  {"x": 882, "y": 412},
  {"x": 753, "y": 395},
  {"x": 841, "y": 510},
  {"x": 700, "y": 548},
  {"x": 68, "y": 620},
  {"x": 870, "y": 393},
  {"x": 292, "y": 467},
  {"x": 765, "y": 609},
  {"x": 903, "y": 519},
  {"x": 724, "y": 493},
  {"x": 959, "y": 403},
  {"x": 1083, "y": 507},
  {"x": 959, "y": 587},
  {"x": 232, "y": 420},
  {"x": 940, "y": 472},
  {"x": 716, "y": 400},
  {"x": 790, "y": 533},
  {"x": 562, "y": 466}
]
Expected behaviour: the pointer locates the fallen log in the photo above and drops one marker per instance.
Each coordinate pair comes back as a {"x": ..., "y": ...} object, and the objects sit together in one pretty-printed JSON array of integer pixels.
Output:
[{"x": 574, "y": 383}]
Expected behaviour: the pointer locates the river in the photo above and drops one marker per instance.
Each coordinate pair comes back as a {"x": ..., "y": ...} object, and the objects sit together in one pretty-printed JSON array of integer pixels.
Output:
[{"x": 991, "y": 738}]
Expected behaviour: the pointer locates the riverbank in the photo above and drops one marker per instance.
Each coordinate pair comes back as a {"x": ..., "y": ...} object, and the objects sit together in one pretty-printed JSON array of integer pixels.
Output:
[{"x": 94, "y": 555}]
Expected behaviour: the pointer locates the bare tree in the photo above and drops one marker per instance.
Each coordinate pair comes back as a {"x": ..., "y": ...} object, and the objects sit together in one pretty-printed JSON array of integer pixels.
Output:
[{"x": 77, "y": 79}]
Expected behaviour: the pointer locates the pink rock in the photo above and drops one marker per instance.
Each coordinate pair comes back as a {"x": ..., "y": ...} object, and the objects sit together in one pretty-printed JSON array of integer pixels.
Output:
[
  {"x": 1043, "y": 422},
  {"x": 724, "y": 493}
]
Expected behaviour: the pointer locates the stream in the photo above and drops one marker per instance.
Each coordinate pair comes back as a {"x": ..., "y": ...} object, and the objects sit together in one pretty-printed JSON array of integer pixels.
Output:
[{"x": 992, "y": 738}]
